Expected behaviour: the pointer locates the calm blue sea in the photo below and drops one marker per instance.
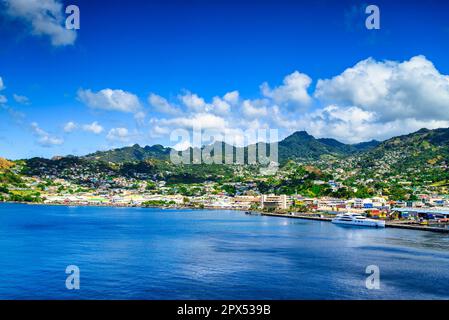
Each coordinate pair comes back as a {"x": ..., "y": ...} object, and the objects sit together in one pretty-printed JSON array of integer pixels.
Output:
[{"x": 134, "y": 253}]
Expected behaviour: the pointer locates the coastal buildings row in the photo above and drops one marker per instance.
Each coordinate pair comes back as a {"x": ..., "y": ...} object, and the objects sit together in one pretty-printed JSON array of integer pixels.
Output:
[{"x": 269, "y": 202}]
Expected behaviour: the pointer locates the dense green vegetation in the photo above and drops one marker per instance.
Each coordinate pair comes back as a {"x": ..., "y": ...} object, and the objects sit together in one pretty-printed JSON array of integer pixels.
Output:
[
  {"x": 400, "y": 168},
  {"x": 157, "y": 203},
  {"x": 299, "y": 145}
]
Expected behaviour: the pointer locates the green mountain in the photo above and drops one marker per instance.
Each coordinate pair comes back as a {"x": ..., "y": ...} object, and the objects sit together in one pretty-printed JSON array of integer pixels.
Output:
[
  {"x": 301, "y": 145},
  {"x": 418, "y": 159},
  {"x": 133, "y": 153},
  {"x": 424, "y": 153},
  {"x": 422, "y": 145},
  {"x": 349, "y": 148},
  {"x": 401, "y": 167},
  {"x": 298, "y": 146}
]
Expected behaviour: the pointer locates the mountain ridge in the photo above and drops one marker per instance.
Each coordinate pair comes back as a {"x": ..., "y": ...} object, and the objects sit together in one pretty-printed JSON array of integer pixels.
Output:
[{"x": 298, "y": 145}]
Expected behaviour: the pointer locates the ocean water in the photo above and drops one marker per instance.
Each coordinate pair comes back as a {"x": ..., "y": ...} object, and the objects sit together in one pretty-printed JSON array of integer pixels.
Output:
[{"x": 135, "y": 253}]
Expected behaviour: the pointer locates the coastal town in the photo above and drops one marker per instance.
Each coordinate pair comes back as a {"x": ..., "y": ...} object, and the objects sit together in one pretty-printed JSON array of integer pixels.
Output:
[
  {"x": 403, "y": 180},
  {"x": 426, "y": 210}
]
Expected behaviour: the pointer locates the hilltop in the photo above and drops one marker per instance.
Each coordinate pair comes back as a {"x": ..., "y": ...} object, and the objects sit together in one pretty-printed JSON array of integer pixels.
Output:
[
  {"x": 400, "y": 167},
  {"x": 299, "y": 145}
]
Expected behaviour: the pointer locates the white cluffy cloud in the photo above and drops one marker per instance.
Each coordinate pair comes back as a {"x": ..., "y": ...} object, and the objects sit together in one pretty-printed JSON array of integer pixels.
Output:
[
  {"x": 2, "y": 86},
  {"x": 394, "y": 90},
  {"x": 44, "y": 138},
  {"x": 112, "y": 100},
  {"x": 381, "y": 99},
  {"x": 118, "y": 134},
  {"x": 254, "y": 109},
  {"x": 218, "y": 105},
  {"x": 193, "y": 102},
  {"x": 292, "y": 92},
  {"x": 70, "y": 127},
  {"x": 353, "y": 124},
  {"x": 162, "y": 105},
  {"x": 204, "y": 121},
  {"x": 94, "y": 127},
  {"x": 371, "y": 100},
  {"x": 44, "y": 17},
  {"x": 232, "y": 97}
]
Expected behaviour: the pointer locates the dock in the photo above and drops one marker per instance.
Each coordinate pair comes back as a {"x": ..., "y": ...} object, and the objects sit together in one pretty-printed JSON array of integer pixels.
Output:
[
  {"x": 298, "y": 216},
  {"x": 388, "y": 224},
  {"x": 415, "y": 227}
]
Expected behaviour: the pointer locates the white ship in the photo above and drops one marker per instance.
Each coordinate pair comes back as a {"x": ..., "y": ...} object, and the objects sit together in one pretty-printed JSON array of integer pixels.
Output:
[{"x": 355, "y": 219}]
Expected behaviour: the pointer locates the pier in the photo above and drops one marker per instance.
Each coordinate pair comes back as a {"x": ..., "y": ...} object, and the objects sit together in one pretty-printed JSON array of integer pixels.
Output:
[{"x": 388, "y": 224}]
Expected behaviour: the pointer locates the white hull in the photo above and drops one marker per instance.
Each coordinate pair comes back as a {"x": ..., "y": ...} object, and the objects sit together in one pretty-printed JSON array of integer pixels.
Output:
[
  {"x": 352, "y": 219},
  {"x": 375, "y": 224}
]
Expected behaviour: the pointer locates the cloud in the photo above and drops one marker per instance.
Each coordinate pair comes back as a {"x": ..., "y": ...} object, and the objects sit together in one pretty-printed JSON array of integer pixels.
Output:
[
  {"x": 44, "y": 17},
  {"x": 394, "y": 90},
  {"x": 70, "y": 127},
  {"x": 254, "y": 109},
  {"x": 232, "y": 97},
  {"x": 205, "y": 121},
  {"x": 193, "y": 102},
  {"x": 21, "y": 99},
  {"x": 293, "y": 91},
  {"x": 2, "y": 86},
  {"x": 182, "y": 145},
  {"x": 3, "y": 99},
  {"x": 372, "y": 99},
  {"x": 94, "y": 127},
  {"x": 352, "y": 124},
  {"x": 140, "y": 117},
  {"x": 112, "y": 100},
  {"x": 44, "y": 138},
  {"x": 220, "y": 106},
  {"x": 118, "y": 134},
  {"x": 162, "y": 105},
  {"x": 158, "y": 131}
]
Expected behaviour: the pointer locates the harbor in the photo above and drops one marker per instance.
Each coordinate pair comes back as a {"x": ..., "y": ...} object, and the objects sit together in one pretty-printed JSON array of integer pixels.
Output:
[{"x": 388, "y": 224}]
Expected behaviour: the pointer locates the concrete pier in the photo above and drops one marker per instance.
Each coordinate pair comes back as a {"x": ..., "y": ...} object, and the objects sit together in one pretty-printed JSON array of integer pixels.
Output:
[{"x": 388, "y": 224}]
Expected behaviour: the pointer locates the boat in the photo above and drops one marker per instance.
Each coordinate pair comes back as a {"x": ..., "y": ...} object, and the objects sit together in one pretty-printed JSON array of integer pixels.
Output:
[
  {"x": 355, "y": 219},
  {"x": 252, "y": 213}
]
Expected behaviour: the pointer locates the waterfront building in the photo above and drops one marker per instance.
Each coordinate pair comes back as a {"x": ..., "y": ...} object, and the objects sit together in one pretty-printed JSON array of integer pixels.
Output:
[
  {"x": 275, "y": 202},
  {"x": 245, "y": 202},
  {"x": 331, "y": 204}
]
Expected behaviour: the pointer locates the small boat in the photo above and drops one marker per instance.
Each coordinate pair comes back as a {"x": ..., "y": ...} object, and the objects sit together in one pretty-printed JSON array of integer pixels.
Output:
[
  {"x": 355, "y": 219},
  {"x": 252, "y": 213}
]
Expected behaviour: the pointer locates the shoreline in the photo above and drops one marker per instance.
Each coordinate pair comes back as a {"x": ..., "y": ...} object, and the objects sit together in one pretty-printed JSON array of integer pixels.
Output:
[{"x": 388, "y": 224}]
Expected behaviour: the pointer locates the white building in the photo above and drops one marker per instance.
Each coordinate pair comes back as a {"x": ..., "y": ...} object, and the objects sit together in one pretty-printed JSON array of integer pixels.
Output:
[{"x": 277, "y": 202}]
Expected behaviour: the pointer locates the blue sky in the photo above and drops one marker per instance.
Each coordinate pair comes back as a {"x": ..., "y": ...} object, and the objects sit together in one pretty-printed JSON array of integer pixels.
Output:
[{"x": 137, "y": 70}]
